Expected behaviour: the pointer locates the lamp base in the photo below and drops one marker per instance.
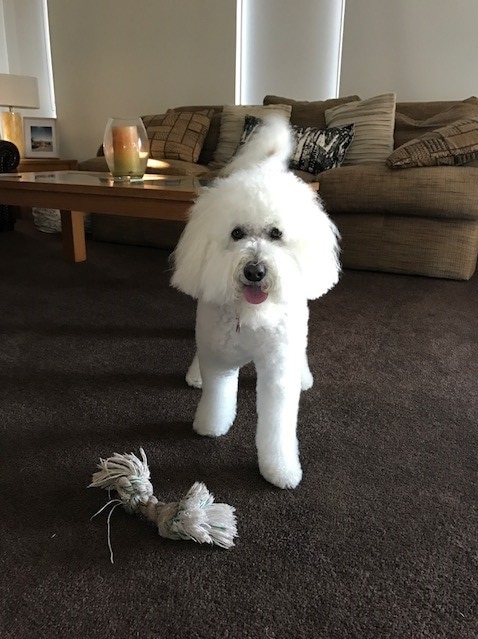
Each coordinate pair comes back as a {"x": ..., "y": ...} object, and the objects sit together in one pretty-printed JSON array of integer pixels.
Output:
[{"x": 12, "y": 130}]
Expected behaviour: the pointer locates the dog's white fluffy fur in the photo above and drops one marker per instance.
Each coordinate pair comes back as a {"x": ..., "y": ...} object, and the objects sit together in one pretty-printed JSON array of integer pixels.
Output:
[{"x": 256, "y": 247}]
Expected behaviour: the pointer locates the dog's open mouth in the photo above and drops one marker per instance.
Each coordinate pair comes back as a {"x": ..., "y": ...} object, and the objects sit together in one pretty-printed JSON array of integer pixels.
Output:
[{"x": 254, "y": 294}]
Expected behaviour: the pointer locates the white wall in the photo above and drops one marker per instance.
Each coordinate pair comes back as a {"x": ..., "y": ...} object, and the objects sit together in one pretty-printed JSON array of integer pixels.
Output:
[
  {"x": 421, "y": 49},
  {"x": 290, "y": 49},
  {"x": 117, "y": 57},
  {"x": 3, "y": 43}
]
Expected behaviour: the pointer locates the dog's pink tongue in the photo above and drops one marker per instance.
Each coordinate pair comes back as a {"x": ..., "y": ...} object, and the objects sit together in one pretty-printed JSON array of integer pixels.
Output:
[{"x": 254, "y": 294}]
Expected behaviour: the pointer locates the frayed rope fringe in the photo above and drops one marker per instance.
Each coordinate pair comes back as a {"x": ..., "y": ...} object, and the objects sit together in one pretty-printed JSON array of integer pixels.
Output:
[{"x": 194, "y": 517}]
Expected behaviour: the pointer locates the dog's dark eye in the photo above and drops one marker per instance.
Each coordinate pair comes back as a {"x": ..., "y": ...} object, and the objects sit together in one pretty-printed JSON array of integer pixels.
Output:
[
  {"x": 237, "y": 233},
  {"x": 275, "y": 233}
]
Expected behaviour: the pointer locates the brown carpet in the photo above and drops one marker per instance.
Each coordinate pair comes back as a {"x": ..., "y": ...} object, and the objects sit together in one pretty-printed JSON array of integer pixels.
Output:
[{"x": 379, "y": 540}]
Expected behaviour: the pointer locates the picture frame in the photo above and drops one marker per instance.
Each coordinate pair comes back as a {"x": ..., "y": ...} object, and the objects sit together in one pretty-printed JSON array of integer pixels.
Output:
[{"x": 40, "y": 137}]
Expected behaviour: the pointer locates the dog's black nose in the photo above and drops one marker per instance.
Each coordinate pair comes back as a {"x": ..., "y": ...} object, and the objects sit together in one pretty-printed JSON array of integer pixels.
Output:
[{"x": 254, "y": 271}]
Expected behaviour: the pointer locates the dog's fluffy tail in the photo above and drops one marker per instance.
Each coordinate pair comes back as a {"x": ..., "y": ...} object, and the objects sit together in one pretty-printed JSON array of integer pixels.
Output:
[{"x": 271, "y": 141}]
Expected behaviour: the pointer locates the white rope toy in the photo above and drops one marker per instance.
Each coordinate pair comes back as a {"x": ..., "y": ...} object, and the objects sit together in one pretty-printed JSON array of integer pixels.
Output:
[{"x": 194, "y": 517}]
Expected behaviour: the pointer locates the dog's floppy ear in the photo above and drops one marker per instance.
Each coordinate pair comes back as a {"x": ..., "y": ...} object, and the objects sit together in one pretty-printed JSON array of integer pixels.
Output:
[
  {"x": 190, "y": 255},
  {"x": 319, "y": 253}
]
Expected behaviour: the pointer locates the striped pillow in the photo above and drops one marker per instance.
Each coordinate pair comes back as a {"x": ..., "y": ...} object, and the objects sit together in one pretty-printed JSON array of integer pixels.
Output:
[{"x": 374, "y": 121}]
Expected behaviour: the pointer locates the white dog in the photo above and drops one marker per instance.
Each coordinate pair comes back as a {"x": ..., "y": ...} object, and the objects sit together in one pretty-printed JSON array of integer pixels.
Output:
[{"x": 257, "y": 246}]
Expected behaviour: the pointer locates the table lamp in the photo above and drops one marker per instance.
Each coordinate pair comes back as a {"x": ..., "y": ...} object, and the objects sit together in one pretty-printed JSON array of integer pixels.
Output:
[{"x": 20, "y": 91}]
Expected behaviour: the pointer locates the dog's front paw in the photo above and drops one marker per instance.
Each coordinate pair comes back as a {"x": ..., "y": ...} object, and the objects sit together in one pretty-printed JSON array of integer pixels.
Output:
[
  {"x": 193, "y": 380},
  {"x": 306, "y": 380},
  {"x": 281, "y": 475},
  {"x": 208, "y": 429},
  {"x": 193, "y": 376},
  {"x": 211, "y": 422}
]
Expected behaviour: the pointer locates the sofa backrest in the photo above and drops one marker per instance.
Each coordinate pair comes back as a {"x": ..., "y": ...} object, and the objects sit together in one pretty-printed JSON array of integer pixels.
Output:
[{"x": 410, "y": 117}]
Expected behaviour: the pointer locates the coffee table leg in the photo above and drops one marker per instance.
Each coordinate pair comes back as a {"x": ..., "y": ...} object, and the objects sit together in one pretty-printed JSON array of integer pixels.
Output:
[{"x": 73, "y": 235}]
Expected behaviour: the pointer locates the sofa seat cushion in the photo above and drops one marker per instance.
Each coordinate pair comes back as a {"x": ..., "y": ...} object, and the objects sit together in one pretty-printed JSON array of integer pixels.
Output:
[
  {"x": 434, "y": 247},
  {"x": 162, "y": 167},
  {"x": 441, "y": 192}
]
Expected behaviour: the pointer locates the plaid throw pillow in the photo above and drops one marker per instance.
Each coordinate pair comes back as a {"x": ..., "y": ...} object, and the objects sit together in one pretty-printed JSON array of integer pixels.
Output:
[{"x": 177, "y": 135}]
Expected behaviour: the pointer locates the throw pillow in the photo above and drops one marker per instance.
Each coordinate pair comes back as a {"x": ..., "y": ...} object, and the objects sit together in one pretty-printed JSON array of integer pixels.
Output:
[
  {"x": 177, "y": 135},
  {"x": 315, "y": 150},
  {"x": 453, "y": 144},
  {"x": 305, "y": 113},
  {"x": 374, "y": 121},
  {"x": 232, "y": 125},
  {"x": 319, "y": 150},
  {"x": 408, "y": 128},
  {"x": 250, "y": 125}
]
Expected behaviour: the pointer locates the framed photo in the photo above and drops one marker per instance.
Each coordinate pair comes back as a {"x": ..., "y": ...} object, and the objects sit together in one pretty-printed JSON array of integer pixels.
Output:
[{"x": 40, "y": 137}]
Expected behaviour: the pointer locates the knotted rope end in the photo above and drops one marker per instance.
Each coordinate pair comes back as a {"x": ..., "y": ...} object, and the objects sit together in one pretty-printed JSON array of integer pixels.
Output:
[{"x": 195, "y": 517}]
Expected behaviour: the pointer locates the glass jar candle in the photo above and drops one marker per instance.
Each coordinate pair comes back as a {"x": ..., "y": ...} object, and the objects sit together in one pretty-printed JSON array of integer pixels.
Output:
[{"x": 126, "y": 148}]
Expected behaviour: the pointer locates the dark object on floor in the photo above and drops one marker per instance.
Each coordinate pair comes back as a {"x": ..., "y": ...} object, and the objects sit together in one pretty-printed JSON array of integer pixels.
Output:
[{"x": 9, "y": 160}]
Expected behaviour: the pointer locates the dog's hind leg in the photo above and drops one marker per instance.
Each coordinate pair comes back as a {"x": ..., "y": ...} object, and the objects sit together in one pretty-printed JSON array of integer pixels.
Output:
[
  {"x": 193, "y": 376},
  {"x": 217, "y": 407}
]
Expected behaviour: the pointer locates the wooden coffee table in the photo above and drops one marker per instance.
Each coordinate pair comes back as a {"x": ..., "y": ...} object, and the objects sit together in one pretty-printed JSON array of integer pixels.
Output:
[{"x": 76, "y": 193}]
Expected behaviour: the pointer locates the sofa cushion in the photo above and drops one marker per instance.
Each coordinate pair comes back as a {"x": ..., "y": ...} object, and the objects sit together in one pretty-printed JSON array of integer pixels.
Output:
[
  {"x": 415, "y": 245},
  {"x": 413, "y": 119},
  {"x": 177, "y": 135},
  {"x": 232, "y": 126},
  {"x": 374, "y": 121},
  {"x": 440, "y": 192},
  {"x": 305, "y": 113},
  {"x": 453, "y": 144}
]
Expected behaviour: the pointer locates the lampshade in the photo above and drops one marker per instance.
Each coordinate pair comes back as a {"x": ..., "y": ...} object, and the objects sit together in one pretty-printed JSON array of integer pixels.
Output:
[{"x": 19, "y": 91}]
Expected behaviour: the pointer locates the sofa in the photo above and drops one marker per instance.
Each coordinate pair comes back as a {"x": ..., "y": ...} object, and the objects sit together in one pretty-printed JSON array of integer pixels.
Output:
[{"x": 409, "y": 205}]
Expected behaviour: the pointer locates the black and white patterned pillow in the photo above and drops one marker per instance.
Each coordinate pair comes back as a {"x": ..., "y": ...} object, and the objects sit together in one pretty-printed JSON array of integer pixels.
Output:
[
  {"x": 316, "y": 150},
  {"x": 319, "y": 150},
  {"x": 251, "y": 122}
]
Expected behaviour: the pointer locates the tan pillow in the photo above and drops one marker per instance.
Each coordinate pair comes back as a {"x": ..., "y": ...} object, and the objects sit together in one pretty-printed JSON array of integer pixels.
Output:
[
  {"x": 374, "y": 121},
  {"x": 449, "y": 145},
  {"x": 232, "y": 126},
  {"x": 305, "y": 113},
  {"x": 408, "y": 128},
  {"x": 177, "y": 135}
]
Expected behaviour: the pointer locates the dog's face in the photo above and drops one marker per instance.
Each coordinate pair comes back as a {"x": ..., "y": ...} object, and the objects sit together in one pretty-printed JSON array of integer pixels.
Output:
[{"x": 257, "y": 238}]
